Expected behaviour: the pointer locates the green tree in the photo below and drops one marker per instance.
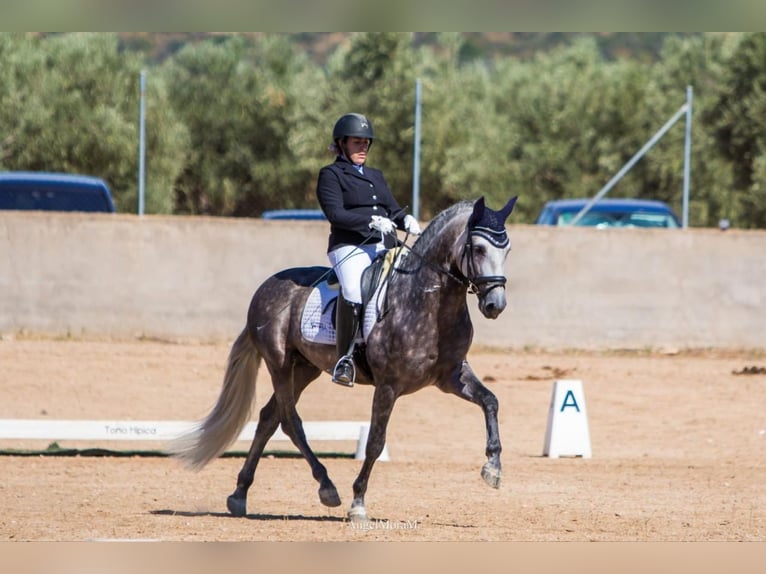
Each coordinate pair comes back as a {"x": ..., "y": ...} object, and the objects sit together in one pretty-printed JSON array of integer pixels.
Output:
[
  {"x": 71, "y": 105},
  {"x": 739, "y": 123},
  {"x": 463, "y": 141},
  {"x": 695, "y": 61},
  {"x": 241, "y": 123},
  {"x": 237, "y": 100},
  {"x": 567, "y": 111}
]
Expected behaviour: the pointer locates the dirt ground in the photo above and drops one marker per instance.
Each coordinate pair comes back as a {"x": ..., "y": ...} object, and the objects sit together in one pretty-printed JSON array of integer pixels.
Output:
[{"x": 678, "y": 441}]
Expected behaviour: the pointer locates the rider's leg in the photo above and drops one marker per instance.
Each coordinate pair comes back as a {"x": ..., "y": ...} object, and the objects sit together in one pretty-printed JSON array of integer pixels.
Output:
[
  {"x": 349, "y": 263},
  {"x": 346, "y": 326}
]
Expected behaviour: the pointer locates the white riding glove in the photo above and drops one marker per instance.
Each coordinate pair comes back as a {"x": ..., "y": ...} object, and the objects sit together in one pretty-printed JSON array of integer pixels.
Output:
[
  {"x": 411, "y": 225},
  {"x": 382, "y": 224}
]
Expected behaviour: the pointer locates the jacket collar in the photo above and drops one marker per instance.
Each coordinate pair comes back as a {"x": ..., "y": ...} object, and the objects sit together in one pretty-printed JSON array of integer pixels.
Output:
[{"x": 349, "y": 168}]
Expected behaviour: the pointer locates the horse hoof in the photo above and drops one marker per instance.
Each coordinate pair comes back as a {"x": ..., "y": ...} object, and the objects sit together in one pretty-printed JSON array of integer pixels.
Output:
[
  {"x": 358, "y": 514},
  {"x": 329, "y": 496},
  {"x": 237, "y": 506},
  {"x": 491, "y": 475}
]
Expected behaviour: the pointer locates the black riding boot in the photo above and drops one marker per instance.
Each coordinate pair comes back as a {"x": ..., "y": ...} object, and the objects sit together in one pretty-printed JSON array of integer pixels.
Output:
[{"x": 346, "y": 325}]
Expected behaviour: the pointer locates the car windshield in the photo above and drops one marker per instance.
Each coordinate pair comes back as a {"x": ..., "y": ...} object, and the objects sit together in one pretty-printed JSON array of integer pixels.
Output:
[
  {"x": 603, "y": 219},
  {"x": 53, "y": 198}
]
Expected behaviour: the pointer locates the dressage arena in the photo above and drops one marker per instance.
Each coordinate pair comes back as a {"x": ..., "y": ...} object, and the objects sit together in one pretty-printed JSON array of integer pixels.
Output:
[
  {"x": 677, "y": 437},
  {"x": 678, "y": 443}
]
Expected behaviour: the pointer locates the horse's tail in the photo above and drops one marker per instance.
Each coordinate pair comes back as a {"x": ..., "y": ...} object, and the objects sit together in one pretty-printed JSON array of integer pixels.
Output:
[{"x": 231, "y": 412}]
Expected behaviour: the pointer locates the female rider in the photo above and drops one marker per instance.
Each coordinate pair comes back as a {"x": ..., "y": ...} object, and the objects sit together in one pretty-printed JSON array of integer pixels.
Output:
[{"x": 363, "y": 214}]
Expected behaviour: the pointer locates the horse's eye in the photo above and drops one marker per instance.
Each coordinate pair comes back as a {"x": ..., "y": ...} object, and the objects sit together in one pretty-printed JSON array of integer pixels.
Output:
[{"x": 479, "y": 250}]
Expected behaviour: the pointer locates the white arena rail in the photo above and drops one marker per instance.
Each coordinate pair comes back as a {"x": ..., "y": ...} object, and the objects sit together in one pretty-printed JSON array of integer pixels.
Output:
[{"x": 111, "y": 430}]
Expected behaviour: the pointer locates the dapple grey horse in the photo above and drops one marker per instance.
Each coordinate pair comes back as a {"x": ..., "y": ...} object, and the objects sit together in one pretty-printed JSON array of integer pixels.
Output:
[{"x": 420, "y": 338}]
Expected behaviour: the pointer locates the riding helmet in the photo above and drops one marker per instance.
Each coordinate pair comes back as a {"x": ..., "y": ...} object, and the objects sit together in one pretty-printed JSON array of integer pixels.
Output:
[{"x": 352, "y": 125}]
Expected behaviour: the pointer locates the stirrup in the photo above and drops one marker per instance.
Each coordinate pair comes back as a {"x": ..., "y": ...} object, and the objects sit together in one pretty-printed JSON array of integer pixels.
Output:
[{"x": 344, "y": 372}]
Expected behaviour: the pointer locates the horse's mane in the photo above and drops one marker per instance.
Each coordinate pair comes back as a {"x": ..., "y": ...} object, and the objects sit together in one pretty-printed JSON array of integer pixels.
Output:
[{"x": 434, "y": 229}]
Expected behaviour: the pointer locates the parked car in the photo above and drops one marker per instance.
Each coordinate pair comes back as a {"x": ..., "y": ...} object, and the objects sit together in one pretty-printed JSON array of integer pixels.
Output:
[
  {"x": 293, "y": 214},
  {"x": 610, "y": 213},
  {"x": 33, "y": 190}
]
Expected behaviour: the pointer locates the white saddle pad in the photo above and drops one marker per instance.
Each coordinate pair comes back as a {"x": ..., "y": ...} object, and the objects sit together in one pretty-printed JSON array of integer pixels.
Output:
[
  {"x": 318, "y": 318},
  {"x": 317, "y": 323}
]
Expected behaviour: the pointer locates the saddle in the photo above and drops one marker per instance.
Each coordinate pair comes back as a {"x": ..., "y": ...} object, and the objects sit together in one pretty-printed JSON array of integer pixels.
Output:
[
  {"x": 374, "y": 275},
  {"x": 318, "y": 317}
]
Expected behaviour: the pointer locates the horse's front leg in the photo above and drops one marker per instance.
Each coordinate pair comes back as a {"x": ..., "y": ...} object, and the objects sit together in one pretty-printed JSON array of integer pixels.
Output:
[
  {"x": 382, "y": 405},
  {"x": 466, "y": 385}
]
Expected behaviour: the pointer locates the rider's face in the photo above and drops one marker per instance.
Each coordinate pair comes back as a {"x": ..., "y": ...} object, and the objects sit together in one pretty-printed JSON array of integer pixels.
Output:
[{"x": 356, "y": 149}]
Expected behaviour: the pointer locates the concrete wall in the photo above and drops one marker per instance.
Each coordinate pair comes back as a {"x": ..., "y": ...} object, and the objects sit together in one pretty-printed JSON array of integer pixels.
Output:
[{"x": 192, "y": 278}]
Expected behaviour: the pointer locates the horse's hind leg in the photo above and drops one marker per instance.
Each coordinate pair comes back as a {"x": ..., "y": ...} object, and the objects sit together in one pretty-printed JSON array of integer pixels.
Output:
[
  {"x": 268, "y": 422},
  {"x": 466, "y": 385},
  {"x": 292, "y": 426}
]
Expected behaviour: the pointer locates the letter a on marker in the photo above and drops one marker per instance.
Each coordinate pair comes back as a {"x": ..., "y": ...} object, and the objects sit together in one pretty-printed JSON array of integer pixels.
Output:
[{"x": 567, "y": 403}]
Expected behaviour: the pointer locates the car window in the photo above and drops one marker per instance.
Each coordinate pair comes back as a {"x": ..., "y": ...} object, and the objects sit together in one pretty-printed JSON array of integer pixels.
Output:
[
  {"x": 54, "y": 199},
  {"x": 590, "y": 219},
  {"x": 603, "y": 219},
  {"x": 651, "y": 220}
]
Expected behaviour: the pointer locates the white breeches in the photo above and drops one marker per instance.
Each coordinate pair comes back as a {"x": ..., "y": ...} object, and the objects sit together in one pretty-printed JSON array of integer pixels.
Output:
[{"x": 349, "y": 263}]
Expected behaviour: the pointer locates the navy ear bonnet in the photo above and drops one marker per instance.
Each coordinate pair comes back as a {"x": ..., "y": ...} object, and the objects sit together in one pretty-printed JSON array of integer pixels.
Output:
[{"x": 490, "y": 224}]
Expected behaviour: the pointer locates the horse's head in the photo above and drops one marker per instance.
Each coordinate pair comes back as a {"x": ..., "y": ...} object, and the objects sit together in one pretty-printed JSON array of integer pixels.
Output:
[{"x": 484, "y": 246}]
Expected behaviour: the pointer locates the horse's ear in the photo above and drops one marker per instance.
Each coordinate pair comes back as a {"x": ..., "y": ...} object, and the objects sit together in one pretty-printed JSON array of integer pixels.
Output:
[
  {"x": 478, "y": 212},
  {"x": 506, "y": 211}
]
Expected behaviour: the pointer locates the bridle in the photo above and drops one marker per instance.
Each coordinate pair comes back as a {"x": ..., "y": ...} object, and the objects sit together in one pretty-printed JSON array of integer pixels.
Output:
[{"x": 481, "y": 285}]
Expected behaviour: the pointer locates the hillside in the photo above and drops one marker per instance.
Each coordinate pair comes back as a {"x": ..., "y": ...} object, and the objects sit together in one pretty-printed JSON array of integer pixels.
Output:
[{"x": 478, "y": 45}]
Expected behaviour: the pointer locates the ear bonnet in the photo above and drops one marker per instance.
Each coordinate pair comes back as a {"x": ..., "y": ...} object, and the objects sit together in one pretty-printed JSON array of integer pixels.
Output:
[{"x": 490, "y": 224}]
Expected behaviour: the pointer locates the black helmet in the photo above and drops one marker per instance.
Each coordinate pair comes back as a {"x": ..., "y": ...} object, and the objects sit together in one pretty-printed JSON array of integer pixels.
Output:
[{"x": 352, "y": 125}]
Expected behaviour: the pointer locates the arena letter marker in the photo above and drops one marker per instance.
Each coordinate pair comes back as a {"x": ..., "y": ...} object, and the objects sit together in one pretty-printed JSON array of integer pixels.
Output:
[{"x": 567, "y": 432}]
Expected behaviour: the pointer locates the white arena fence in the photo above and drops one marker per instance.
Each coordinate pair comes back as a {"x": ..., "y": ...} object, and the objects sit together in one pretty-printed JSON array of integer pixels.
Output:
[{"x": 166, "y": 431}]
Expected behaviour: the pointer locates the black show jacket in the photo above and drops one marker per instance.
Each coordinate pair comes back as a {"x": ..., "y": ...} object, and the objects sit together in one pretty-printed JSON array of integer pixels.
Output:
[{"x": 350, "y": 199}]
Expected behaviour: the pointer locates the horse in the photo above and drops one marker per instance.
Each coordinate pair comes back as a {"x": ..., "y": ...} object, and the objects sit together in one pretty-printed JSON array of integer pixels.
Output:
[{"x": 420, "y": 336}]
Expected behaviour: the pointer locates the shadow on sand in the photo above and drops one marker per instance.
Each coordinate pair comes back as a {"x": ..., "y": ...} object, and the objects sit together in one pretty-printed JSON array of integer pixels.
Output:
[{"x": 286, "y": 517}]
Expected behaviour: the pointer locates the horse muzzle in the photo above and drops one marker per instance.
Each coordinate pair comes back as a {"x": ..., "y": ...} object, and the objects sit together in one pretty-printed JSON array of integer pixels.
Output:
[{"x": 491, "y": 298}]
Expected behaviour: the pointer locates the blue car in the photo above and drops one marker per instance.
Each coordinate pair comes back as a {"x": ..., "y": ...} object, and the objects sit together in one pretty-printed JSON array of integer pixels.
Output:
[
  {"x": 44, "y": 191},
  {"x": 610, "y": 213},
  {"x": 294, "y": 214}
]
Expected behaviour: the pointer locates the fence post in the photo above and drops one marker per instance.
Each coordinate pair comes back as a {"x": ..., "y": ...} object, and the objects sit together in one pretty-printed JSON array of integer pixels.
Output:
[
  {"x": 141, "y": 142},
  {"x": 687, "y": 157},
  {"x": 416, "y": 153}
]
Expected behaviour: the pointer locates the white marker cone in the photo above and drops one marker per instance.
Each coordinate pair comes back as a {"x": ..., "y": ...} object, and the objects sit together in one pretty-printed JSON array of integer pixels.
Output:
[{"x": 567, "y": 432}]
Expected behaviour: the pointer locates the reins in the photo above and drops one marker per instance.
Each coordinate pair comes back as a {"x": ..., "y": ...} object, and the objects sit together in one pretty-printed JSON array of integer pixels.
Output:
[
  {"x": 478, "y": 285},
  {"x": 473, "y": 284}
]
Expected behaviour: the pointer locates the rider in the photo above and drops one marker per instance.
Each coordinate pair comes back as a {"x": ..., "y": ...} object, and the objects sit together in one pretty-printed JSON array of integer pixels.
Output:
[{"x": 363, "y": 214}]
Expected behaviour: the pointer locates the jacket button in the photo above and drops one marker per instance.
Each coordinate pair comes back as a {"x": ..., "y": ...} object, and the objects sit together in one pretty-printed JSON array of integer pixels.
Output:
[
  {"x": 375, "y": 208},
  {"x": 375, "y": 197}
]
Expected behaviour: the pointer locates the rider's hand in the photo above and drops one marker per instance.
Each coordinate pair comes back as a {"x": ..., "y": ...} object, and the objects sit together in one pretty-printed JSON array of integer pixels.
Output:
[
  {"x": 382, "y": 224},
  {"x": 411, "y": 225}
]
